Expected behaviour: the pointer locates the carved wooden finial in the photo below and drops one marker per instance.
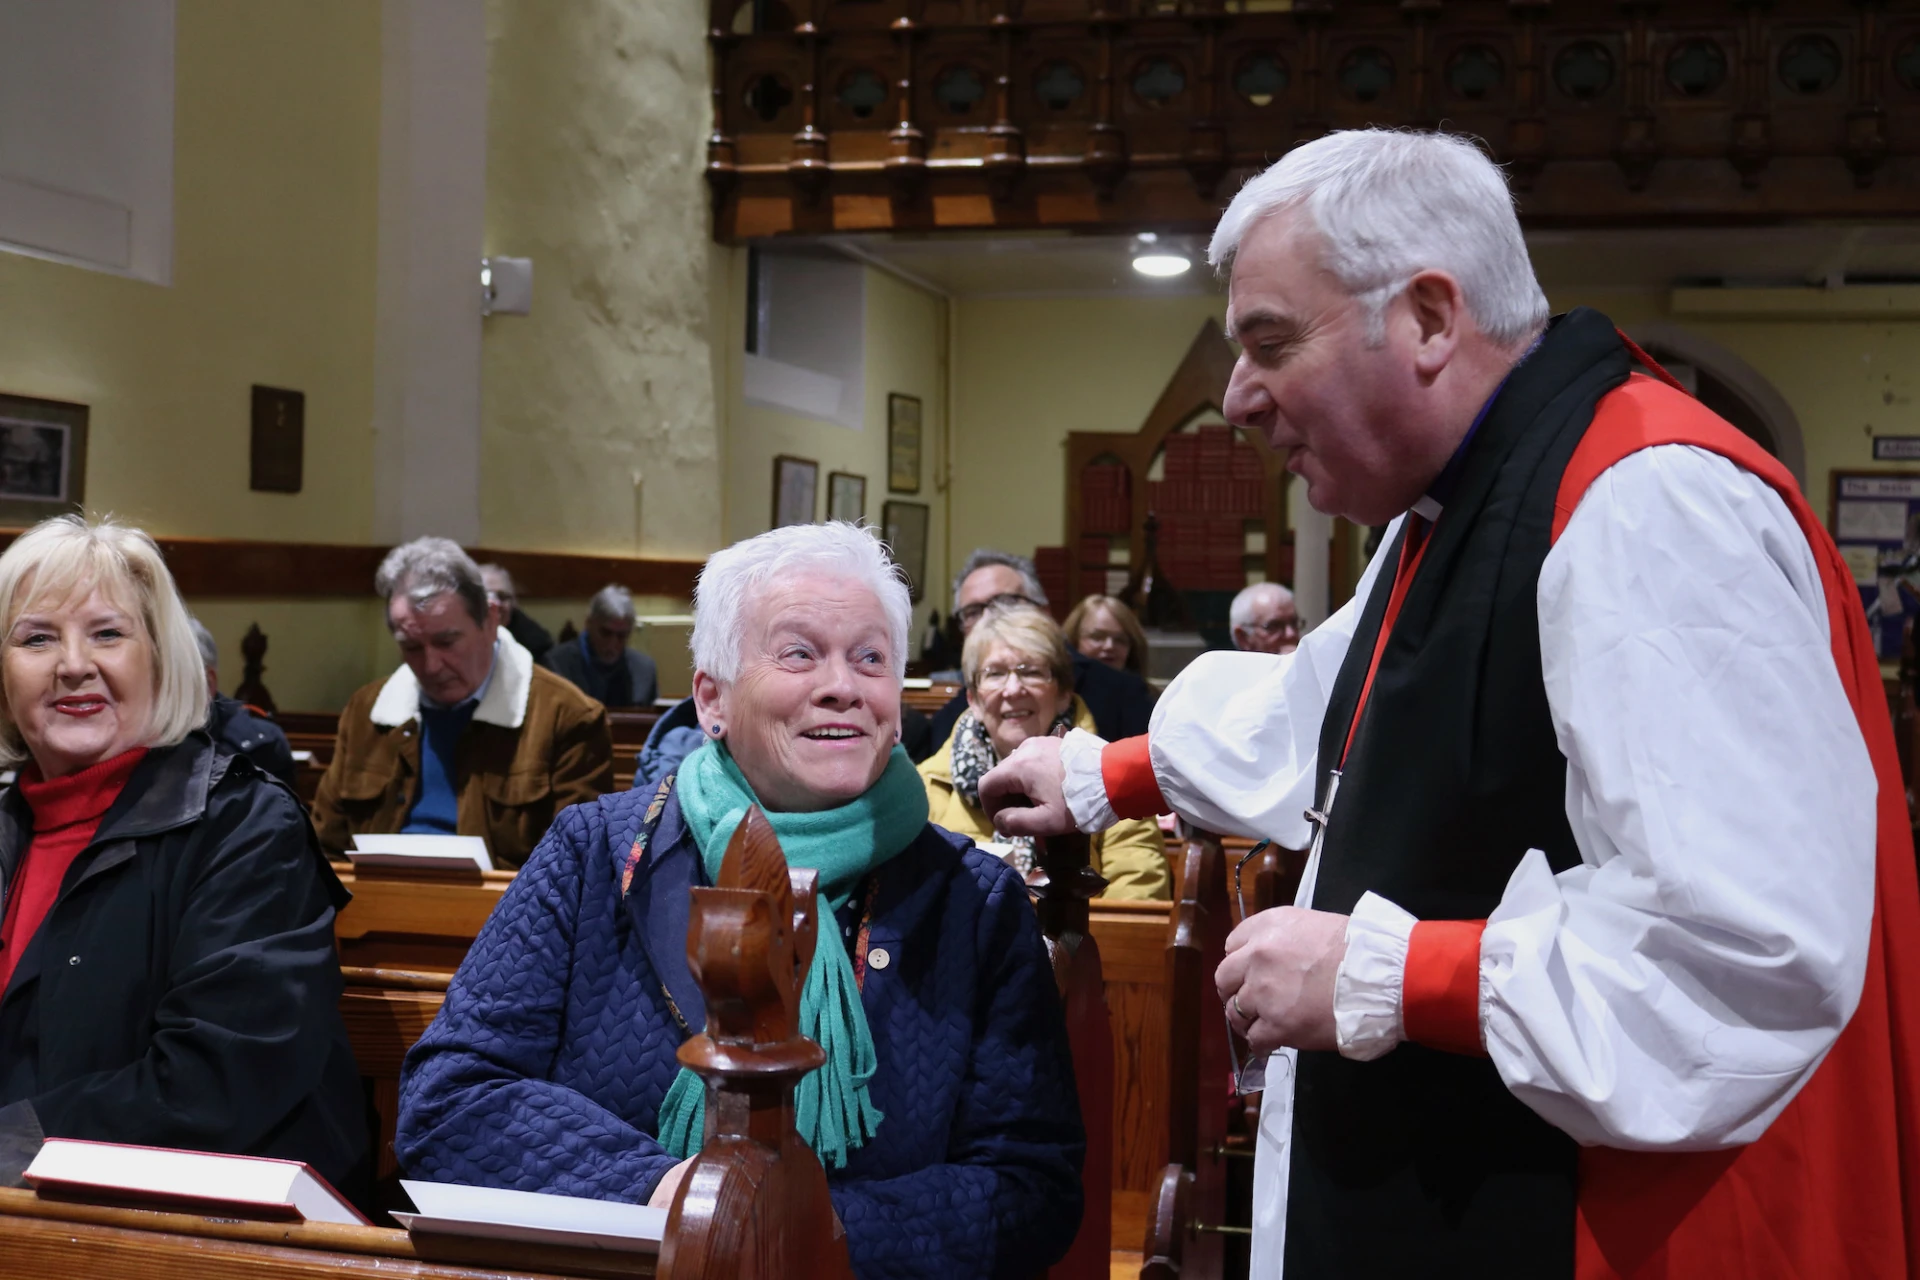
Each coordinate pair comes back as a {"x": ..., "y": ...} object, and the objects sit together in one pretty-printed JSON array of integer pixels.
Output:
[
  {"x": 754, "y": 1203},
  {"x": 252, "y": 689}
]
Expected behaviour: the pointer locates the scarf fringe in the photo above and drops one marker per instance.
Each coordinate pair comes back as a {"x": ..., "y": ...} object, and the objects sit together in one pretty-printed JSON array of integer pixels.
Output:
[{"x": 833, "y": 1109}]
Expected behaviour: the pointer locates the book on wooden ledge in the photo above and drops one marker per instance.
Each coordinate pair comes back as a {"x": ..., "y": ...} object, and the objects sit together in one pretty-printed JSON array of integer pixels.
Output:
[
  {"x": 421, "y": 852},
  {"x": 532, "y": 1217},
  {"x": 113, "y": 1173}
]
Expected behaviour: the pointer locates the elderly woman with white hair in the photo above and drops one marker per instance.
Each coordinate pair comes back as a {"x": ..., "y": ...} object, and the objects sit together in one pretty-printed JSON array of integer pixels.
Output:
[
  {"x": 167, "y": 971},
  {"x": 950, "y": 1131}
]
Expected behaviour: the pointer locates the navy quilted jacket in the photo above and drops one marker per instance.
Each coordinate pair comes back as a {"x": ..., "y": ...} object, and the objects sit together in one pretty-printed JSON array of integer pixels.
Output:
[{"x": 546, "y": 1068}]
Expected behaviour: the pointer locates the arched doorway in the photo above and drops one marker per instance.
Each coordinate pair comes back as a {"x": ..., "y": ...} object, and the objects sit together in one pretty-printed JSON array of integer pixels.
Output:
[{"x": 1730, "y": 387}]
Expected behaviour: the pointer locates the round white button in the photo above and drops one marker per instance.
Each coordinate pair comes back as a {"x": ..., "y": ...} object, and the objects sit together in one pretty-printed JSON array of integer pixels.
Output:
[{"x": 878, "y": 958}]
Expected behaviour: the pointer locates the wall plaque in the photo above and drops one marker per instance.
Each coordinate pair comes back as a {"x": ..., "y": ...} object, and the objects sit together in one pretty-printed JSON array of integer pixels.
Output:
[
  {"x": 278, "y": 439},
  {"x": 903, "y": 443}
]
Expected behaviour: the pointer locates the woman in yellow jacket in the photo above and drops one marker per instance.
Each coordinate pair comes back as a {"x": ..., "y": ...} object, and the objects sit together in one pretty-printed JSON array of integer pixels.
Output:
[{"x": 1019, "y": 685}]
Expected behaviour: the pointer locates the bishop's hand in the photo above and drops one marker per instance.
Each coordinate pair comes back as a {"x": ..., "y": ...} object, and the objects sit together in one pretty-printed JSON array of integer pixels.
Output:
[
  {"x": 1278, "y": 978},
  {"x": 1025, "y": 794}
]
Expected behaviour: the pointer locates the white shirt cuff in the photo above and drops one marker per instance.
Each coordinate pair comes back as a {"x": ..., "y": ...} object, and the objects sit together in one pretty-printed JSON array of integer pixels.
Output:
[
  {"x": 1086, "y": 786},
  {"x": 1366, "y": 992}
]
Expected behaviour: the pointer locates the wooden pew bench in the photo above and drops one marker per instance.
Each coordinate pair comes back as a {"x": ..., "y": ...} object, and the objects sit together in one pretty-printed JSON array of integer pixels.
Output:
[
  {"x": 403, "y": 934},
  {"x": 754, "y": 1205},
  {"x": 414, "y": 920},
  {"x": 50, "y": 1240}
]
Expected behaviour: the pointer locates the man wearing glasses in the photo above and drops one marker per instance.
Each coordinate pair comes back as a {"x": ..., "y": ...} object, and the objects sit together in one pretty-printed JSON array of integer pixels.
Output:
[
  {"x": 1264, "y": 619},
  {"x": 1606, "y": 958},
  {"x": 1119, "y": 700}
]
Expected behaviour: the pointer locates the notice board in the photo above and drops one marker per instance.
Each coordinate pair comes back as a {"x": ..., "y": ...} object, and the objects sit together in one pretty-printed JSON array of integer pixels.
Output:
[{"x": 1875, "y": 518}]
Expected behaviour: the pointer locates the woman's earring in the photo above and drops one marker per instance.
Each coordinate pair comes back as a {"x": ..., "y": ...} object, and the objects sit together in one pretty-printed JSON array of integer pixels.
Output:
[{"x": 716, "y": 731}]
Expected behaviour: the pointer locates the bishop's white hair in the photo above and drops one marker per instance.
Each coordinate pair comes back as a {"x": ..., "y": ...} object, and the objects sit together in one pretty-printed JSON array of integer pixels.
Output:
[
  {"x": 741, "y": 572},
  {"x": 1391, "y": 203}
]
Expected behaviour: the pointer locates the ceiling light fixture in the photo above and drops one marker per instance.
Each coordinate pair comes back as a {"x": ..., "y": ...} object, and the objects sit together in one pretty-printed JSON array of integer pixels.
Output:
[
  {"x": 1161, "y": 264},
  {"x": 1151, "y": 258}
]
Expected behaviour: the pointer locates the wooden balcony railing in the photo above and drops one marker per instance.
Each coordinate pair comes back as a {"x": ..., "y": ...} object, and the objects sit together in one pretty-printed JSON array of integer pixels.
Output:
[{"x": 874, "y": 115}]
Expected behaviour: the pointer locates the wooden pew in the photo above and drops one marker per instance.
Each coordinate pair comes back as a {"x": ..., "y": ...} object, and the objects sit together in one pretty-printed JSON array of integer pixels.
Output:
[
  {"x": 424, "y": 924},
  {"x": 414, "y": 919},
  {"x": 1188, "y": 1216},
  {"x": 52, "y": 1240},
  {"x": 386, "y": 1011},
  {"x": 754, "y": 1204},
  {"x": 413, "y": 922},
  {"x": 931, "y": 699},
  {"x": 1132, "y": 937},
  {"x": 1202, "y": 1208},
  {"x": 1064, "y": 883}
]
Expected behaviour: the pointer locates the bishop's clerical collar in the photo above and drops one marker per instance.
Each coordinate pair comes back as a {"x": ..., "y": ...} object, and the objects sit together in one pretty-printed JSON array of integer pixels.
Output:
[{"x": 1440, "y": 492}]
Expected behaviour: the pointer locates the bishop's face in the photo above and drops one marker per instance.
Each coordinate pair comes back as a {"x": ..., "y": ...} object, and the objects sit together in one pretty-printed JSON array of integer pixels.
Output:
[{"x": 1349, "y": 412}]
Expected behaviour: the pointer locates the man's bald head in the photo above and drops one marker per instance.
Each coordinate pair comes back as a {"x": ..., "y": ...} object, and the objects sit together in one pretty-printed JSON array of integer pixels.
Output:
[{"x": 1265, "y": 619}]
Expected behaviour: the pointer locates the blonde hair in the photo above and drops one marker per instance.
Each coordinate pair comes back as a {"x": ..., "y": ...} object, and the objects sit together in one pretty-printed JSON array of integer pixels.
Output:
[
  {"x": 67, "y": 556},
  {"x": 1136, "y": 636},
  {"x": 1028, "y": 631}
]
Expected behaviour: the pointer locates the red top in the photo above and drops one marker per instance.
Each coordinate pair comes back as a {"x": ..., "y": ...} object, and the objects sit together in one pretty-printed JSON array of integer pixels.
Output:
[{"x": 66, "y": 813}]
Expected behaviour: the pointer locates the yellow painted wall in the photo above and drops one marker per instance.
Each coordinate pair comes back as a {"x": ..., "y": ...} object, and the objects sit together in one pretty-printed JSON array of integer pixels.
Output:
[
  {"x": 1030, "y": 370},
  {"x": 1847, "y": 380},
  {"x": 276, "y": 130},
  {"x": 276, "y": 158},
  {"x": 596, "y": 139},
  {"x": 1027, "y": 372},
  {"x": 599, "y": 431},
  {"x": 905, "y": 353}
]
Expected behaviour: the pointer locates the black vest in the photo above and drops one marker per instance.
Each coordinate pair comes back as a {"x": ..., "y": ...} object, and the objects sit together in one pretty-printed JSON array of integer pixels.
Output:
[{"x": 1421, "y": 1163}]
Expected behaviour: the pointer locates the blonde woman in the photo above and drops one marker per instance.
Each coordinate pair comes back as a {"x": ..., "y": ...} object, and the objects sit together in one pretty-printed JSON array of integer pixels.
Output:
[
  {"x": 1104, "y": 629},
  {"x": 1019, "y": 685},
  {"x": 167, "y": 972}
]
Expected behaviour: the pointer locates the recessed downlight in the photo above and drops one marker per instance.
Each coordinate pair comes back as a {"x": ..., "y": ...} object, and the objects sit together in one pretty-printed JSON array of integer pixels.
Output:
[{"x": 1161, "y": 264}]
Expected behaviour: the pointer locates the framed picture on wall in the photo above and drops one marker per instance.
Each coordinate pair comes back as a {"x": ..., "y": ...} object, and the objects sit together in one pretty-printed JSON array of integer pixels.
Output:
[
  {"x": 796, "y": 481},
  {"x": 903, "y": 443},
  {"x": 43, "y": 458},
  {"x": 846, "y": 496},
  {"x": 903, "y": 525}
]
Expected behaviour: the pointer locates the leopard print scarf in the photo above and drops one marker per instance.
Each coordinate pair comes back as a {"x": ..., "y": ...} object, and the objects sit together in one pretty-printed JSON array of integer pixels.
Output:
[{"x": 973, "y": 755}]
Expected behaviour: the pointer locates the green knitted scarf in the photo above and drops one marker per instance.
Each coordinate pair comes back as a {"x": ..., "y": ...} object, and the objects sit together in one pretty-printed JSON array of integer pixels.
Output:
[{"x": 831, "y": 1106}]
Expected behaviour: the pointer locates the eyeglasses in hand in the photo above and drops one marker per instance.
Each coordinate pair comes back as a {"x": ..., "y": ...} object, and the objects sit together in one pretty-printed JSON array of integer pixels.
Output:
[{"x": 1249, "y": 1068}]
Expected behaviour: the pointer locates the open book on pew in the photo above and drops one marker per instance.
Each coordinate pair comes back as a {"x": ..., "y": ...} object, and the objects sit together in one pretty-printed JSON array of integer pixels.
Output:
[
  {"x": 420, "y": 853},
  {"x": 113, "y": 1173},
  {"x": 532, "y": 1217}
]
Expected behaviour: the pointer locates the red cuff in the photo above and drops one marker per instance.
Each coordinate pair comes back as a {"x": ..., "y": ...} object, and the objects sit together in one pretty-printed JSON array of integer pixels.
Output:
[
  {"x": 1440, "y": 992},
  {"x": 1128, "y": 775}
]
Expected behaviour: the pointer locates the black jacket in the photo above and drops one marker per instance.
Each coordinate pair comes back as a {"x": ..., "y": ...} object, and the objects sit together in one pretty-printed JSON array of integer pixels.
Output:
[
  {"x": 1120, "y": 701},
  {"x": 234, "y": 727},
  {"x": 533, "y": 637},
  {"x": 184, "y": 990},
  {"x": 607, "y": 686}
]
